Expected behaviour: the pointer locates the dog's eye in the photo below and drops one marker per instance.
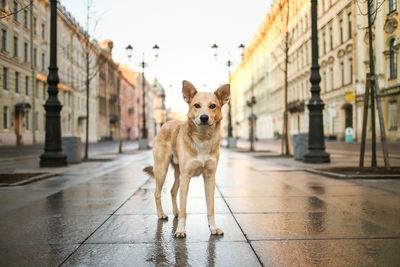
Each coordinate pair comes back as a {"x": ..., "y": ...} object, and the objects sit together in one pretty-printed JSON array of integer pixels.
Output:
[
  {"x": 196, "y": 105},
  {"x": 212, "y": 106}
]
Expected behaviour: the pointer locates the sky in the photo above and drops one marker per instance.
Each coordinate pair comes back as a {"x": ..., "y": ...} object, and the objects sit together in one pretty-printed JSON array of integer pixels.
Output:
[{"x": 184, "y": 30}]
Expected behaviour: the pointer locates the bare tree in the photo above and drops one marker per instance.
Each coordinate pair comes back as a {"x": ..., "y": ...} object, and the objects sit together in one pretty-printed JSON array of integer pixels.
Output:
[
  {"x": 372, "y": 90},
  {"x": 92, "y": 65},
  {"x": 287, "y": 11}
]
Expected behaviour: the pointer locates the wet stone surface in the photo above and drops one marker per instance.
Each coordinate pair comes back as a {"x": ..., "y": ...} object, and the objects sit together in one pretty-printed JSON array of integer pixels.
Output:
[{"x": 272, "y": 214}]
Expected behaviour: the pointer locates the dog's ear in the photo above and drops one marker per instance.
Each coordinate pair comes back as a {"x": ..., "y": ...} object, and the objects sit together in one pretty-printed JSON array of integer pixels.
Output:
[
  {"x": 188, "y": 91},
  {"x": 223, "y": 93}
]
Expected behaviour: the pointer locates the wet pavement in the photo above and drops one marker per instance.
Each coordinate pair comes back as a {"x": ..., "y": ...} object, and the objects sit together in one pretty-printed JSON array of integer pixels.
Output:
[{"x": 272, "y": 211}]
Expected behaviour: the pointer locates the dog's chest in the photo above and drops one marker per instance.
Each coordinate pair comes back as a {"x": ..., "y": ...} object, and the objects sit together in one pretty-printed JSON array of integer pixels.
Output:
[
  {"x": 202, "y": 162},
  {"x": 204, "y": 159}
]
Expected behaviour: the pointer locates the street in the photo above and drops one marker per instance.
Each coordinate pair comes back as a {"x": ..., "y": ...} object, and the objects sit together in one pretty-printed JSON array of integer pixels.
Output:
[{"x": 272, "y": 211}]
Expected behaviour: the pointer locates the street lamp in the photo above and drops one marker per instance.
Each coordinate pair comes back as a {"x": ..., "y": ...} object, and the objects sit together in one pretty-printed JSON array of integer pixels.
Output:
[
  {"x": 252, "y": 118},
  {"x": 229, "y": 63},
  {"x": 143, "y": 142},
  {"x": 316, "y": 143},
  {"x": 53, "y": 154}
]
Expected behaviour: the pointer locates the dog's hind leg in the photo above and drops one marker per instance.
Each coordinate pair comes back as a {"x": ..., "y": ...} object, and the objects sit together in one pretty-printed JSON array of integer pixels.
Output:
[
  {"x": 160, "y": 171},
  {"x": 174, "y": 190}
]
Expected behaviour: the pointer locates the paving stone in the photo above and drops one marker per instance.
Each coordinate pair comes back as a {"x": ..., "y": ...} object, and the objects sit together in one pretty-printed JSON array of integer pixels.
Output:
[
  {"x": 309, "y": 225},
  {"x": 345, "y": 252},
  {"x": 181, "y": 253},
  {"x": 34, "y": 255},
  {"x": 147, "y": 228}
]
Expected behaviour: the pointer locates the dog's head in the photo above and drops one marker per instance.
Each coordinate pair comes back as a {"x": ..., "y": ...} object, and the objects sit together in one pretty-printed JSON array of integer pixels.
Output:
[{"x": 205, "y": 108}]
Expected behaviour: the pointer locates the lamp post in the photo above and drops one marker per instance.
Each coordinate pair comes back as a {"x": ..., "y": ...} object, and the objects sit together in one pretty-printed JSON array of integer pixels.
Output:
[
  {"x": 252, "y": 118},
  {"x": 53, "y": 155},
  {"x": 143, "y": 142},
  {"x": 316, "y": 143},
  {"x": 229, "y": 63}
]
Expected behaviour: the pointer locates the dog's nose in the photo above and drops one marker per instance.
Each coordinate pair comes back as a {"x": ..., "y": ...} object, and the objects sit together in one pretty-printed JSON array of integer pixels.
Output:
[{"x": 204, "y": 118}]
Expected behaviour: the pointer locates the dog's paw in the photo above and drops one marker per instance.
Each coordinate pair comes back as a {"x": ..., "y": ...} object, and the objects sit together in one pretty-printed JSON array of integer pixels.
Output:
[
  {"x": 180, "y": 234},
  {"x": 162, "y": 217},
  {"x": 216, "y": 231}
]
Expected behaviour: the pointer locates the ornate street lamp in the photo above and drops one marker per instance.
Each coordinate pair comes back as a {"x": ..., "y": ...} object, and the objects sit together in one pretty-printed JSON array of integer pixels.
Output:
[
  {"x": 252, "y": 118},
  {"x": 53, "y": 154},
  {"x": 229, "y": 63},
  {"x": 143, "y": 142},
  {"x": 316, "y": 143}
]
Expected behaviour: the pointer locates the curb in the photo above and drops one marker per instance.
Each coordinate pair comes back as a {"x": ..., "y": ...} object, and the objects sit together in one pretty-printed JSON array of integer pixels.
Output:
[
  {"x": 30, "y": 180},
  {"x": 347, "y": 176}
]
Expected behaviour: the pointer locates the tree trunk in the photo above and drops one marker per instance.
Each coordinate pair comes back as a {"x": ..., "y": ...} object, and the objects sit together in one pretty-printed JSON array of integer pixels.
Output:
[
  {"x": 86, "y": 156},
  {"x": 364, "y": 121},
  {"x": 382, "y": 126},
  {"x": 372, "y": 82},
  {"x": 286, "y": 94}
]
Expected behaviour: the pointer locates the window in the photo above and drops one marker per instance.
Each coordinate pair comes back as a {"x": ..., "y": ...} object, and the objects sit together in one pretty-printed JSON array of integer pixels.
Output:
[
  {"x": 15, "y": 10},
  {"x": 330, "y": 37},
  {"x": 16, "y": 82},
  {"x": 27, "y": 85},
  {"x": 37, "y": 121},
  {"x": 5, "y": 78},
  {"x": 351, "y": 69},
  {"x": 3, "y": 40},
  {"x": 15, "y": 46},
  {"x": 342, "y": 71},
  {"x": 44, "y": 91},
  {"x": 392, "y": 59},
  {"x": 27, "y": 120},
  {"x": 37, "y": 89},
  {"x": 4, "y": 4},
  {"x": 324, "y": 43},
  {"x": 43, "y": 62},
  {"x": 35, "y": 57},
  {"x": 392, "y": 5},
  {"x": 25, "y": 52},
  {"x": 349, "y": 24},
  {"x": 332, "y": 81},
  {"x": 6, "y": 120},
  {"x": 34, "y": 25},
  {"x": 43, "y": 32},
  {"x": 393, "y": 115},
  {"x": 25, "y": 18},
  {"x": 341, "y": 30}
]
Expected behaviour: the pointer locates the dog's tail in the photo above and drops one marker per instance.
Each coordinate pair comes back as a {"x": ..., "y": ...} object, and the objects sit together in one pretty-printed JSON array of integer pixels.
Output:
[{"x": 149, "y": 171}]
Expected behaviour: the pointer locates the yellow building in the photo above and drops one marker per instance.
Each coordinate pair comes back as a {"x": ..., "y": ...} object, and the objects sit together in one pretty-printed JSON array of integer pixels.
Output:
[{"x": 342, "y": 57}]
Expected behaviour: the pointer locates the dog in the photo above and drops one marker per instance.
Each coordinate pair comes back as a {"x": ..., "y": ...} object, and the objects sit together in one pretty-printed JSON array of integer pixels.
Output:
[{"x": 192, "y": 148}]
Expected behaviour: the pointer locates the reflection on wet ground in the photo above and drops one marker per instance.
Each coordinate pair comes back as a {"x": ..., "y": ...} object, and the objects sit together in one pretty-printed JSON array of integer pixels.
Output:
[{"x": 271, "y": 214}]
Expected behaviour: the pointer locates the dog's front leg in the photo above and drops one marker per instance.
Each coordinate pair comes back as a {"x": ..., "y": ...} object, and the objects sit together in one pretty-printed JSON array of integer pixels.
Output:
[
  {"x": 209, "y": 188},
  {"x": 183, "y": 192}
]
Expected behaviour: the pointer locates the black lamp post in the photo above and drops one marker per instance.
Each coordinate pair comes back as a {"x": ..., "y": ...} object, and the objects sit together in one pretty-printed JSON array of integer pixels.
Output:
[
  {"x": 229, "y": 63},
  {"x": 53, "y": 154},
  {"x": 252, "y": 118},
  {"x": 316, "y": 143},
  {"x": 143, "y": 142}
]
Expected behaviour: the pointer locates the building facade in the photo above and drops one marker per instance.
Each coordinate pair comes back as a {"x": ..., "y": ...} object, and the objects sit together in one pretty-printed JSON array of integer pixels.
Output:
[
  {"x": 128, "y": 104},
  {"x": 24, "y": 59},
  {"x": 342, "y": 58}
]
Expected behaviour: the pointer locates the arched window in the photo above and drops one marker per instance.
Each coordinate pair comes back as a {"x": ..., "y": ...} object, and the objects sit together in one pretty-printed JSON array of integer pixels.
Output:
[
  {"x": 393, "y": 59},
  {"x": 392, "y": 5}
]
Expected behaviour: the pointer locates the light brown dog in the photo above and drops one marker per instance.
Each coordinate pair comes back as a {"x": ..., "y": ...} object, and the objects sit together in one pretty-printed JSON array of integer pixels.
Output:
[{"x": 192, "y": 148}]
